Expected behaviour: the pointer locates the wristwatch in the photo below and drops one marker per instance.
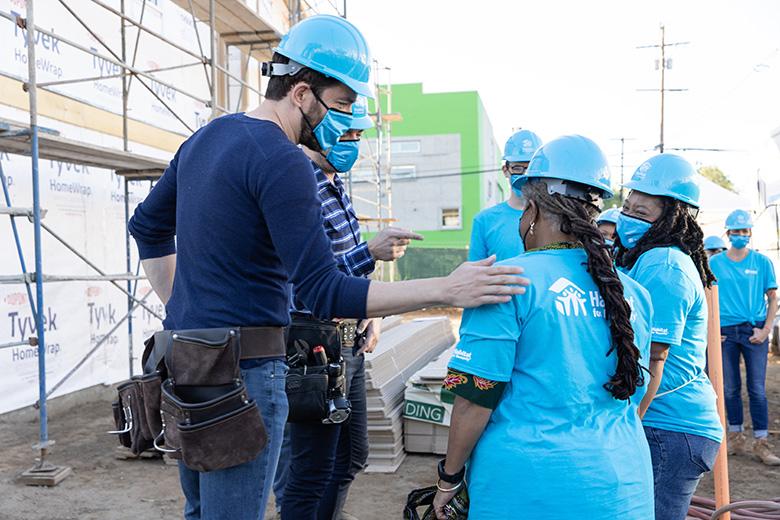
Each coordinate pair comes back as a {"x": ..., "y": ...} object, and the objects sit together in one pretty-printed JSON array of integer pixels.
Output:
[{"x": 457, "y": 478}]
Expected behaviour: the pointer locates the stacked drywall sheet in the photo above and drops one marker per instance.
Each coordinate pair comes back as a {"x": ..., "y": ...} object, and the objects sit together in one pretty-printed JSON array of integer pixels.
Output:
[
  {"x": 428, "y": 408},
  {"x": 402, "y": 350}
]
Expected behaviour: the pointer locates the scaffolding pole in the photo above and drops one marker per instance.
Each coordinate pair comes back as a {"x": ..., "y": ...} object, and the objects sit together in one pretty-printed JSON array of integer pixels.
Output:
[{"x": 43, "y": 472}]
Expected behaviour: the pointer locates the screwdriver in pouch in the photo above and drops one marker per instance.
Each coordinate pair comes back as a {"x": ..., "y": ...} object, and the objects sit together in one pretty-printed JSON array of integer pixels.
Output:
[{"x": 319, "y": 355}]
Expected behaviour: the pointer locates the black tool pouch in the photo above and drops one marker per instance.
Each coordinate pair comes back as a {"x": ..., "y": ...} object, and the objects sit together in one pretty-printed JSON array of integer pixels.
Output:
[
  {"x": 208, "y": 421},
  {"x": 307, "y": 383},
  {"x": 307, "y": 393},
  {"x": 305, "y": 333}
]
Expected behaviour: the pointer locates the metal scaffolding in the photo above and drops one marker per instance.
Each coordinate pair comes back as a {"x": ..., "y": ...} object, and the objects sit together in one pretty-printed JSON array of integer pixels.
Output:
[
  {"x": 377, "y": 158},
  {"x": 228, "y": 20}
]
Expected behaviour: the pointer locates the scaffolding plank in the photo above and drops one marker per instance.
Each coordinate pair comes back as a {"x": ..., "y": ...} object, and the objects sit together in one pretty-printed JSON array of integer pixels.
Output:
[
  {"x": 16, "y": 212},
  {"x": 54, "y": 147},
  {"x": 231, "y": 17},
  {"x": 30, "y": 278}
]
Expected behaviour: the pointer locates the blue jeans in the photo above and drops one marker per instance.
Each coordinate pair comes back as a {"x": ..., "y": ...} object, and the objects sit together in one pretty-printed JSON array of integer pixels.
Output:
[
  {"x": 679, "y": 461},
  {"x": 241, "y": 492},
  {"x": 282, "y": 469},
  {"x": 736, "y": 344},
  {"x": 325, "y": 458}
]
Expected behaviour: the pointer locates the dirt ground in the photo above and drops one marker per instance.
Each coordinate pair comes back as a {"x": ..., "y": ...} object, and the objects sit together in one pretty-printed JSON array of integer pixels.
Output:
[{"x": 102, "y": 487}]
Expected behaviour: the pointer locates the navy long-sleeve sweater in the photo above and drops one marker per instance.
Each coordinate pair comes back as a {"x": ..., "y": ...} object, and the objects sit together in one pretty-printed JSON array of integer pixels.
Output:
[{"x": 239, "y": 207}]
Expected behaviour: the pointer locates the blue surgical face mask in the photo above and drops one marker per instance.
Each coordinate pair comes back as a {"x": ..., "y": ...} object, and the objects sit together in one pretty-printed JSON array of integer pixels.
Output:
[
  {"x": 631, "y": 230},
  {"x": 342, "y": 155},
  {"x": 512, "y": 178},
  {"x": 332, "y": 127},
  {"x": 739, "y": 241}
]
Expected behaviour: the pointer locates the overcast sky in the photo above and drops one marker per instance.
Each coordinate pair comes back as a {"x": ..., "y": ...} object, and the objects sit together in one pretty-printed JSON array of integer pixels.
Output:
[{"x": 566, "y": 66}]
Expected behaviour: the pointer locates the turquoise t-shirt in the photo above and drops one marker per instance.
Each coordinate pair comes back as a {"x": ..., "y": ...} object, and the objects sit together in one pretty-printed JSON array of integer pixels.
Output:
[
  {"x": 685, "y": 401},
  {"x": 558, "y": 444},
  {"x": 742, "y": 287},
  {"x": 495, "y": 231}
]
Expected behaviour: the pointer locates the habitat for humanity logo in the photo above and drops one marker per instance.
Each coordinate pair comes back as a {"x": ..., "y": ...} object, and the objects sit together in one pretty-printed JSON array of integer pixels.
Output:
[{"x": 570, "y": 300}]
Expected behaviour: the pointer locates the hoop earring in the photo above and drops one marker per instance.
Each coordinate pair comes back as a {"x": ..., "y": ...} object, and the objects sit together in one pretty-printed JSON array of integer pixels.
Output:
[{"x": 531, "y": 229}]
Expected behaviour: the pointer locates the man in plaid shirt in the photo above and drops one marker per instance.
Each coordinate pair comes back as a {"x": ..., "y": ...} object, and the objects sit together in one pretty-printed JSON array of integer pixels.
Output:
[{"x": 339, "y": 451}]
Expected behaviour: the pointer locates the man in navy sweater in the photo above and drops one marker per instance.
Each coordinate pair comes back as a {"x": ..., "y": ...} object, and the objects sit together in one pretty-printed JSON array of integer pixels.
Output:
[{"x": 236, "y": 217}]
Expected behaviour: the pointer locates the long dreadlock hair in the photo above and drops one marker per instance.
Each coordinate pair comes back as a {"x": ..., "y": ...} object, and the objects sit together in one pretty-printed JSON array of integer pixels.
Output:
[
  {"x": 676, "y": 227},
  {"x": 576, "y": 218}
]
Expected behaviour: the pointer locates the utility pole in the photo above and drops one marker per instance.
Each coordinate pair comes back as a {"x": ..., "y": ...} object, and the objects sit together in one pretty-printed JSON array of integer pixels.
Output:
[
  {"x": 662, "y": 65},
  {"x": 622, "y": 155}
]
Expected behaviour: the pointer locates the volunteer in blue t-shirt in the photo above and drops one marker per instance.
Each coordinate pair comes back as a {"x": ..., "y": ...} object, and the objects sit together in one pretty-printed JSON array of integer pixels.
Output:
[
  {"x": 748, "y": 305},
  {"x": 547, "y": 386},
  {"x": 494, "y": 230},
  {"x": 660, "y": 246}
]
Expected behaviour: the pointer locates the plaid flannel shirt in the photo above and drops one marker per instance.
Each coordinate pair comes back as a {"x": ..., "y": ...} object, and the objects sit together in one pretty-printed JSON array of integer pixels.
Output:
[{"x": 342, "y": 228}]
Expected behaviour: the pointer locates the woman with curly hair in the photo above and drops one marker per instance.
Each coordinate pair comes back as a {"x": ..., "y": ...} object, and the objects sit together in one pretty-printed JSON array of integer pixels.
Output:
[
  {"x": 548, "y": 384},
  {"x": 660, "y": 246}
]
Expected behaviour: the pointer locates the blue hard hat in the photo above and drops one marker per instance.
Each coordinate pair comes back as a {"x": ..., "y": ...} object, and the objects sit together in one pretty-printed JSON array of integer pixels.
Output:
[
  {"x": 521, "y": 146},
  {"x": 667, "y": 175},
  {"x": 739, "y": 219},
  {"x": 332, "y": 46},
  {"x": 360, "y": 118},
  {"x": 713, "y": 242},
  {"x": 611, "y": 215},
  {"x": 570, "y": 158}
]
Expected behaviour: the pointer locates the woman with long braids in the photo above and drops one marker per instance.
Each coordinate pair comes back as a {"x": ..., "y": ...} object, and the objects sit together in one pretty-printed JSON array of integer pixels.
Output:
[
  {"x": 660, "y": 246},
  {"x": 548, "y": 384}
]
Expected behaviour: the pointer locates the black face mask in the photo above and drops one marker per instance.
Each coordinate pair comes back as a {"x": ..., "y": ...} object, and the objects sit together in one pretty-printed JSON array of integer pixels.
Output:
[{"x": 308, "y": 138}]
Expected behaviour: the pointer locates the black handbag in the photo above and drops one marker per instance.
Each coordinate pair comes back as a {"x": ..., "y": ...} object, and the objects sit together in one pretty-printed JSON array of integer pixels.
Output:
[{"x": 456, "y": 509}]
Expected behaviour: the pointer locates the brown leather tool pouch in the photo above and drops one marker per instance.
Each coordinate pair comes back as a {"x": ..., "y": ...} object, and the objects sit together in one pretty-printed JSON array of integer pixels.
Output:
[{"x": 208, "y": 419}]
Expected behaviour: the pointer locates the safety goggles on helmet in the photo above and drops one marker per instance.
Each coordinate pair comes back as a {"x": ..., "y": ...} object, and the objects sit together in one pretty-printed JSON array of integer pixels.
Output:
[{"x": 573, "y": 190}]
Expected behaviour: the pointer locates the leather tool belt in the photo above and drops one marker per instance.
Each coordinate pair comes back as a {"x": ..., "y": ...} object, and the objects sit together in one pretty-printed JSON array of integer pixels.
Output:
[{"x": 190, "y": 401}]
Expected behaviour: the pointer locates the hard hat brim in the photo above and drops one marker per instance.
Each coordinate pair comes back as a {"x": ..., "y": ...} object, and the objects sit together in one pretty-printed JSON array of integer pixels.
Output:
[{"x": 658, "y": 192}]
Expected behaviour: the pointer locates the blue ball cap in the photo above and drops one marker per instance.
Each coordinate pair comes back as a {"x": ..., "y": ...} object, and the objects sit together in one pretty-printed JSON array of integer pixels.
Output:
[{"x": 360, "y": 118}]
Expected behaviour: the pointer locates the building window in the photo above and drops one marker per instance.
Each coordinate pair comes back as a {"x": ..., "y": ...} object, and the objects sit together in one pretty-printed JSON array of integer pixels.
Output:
[
  {"x": 405, "y": 147},
  {"x": 450, "y": 218},
  {"x": 408, "y": 171}
]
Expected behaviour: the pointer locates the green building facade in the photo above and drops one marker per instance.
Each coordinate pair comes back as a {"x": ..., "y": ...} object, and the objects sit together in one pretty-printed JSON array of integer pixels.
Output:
[{"x": 445, "y": 169}]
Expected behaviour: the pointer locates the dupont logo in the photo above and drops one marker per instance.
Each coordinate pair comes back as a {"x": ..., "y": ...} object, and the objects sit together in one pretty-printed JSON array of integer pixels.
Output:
[
  {"x": 570, "y": 300},
  {"x": 15, "y": 298},
  {"x": 93, "y": 291}
]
